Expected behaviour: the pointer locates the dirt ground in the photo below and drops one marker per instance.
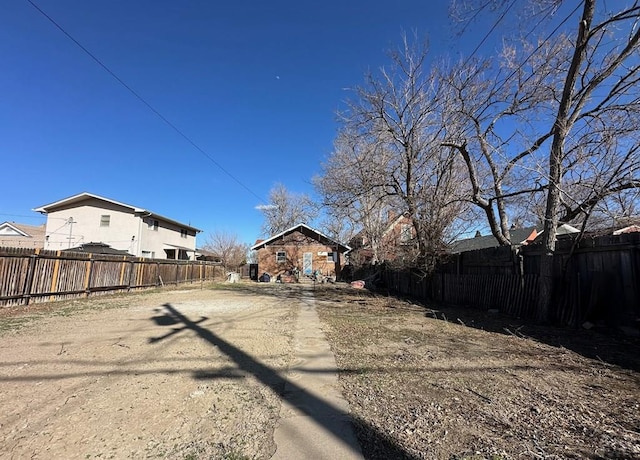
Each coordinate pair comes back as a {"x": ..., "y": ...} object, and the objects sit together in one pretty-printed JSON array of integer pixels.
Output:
[
  {"x": 143, "y": 376},
  {"x": 427, "y": 382},
  {"x": 176, "y": 374}
]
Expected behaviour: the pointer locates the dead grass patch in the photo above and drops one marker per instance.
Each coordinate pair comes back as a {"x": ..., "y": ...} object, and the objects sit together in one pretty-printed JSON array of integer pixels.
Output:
[{"x": 443, "y": 389}]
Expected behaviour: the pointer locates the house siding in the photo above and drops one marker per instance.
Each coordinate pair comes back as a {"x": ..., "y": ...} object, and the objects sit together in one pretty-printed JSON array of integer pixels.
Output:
[{"x": 120, "y": 234}]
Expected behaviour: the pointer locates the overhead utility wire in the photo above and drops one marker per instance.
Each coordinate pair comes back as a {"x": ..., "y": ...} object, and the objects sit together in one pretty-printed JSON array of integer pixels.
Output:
[
  {"x": 495, "y": 24},
  {"x": 149, "y": 106}
]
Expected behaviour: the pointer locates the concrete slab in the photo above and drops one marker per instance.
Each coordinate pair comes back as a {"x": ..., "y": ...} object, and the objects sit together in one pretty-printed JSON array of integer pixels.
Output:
[{"x": 314, "y": 418}]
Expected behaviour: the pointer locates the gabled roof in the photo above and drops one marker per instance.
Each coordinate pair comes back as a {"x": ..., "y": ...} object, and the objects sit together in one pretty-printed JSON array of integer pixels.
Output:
[
  {"x": 9, "y": 229},
  {"x": 305, "y": 229},
  {"x": 395, "y": 221},
  {"x": 80, "y": 197},
  {"x": 22, "y": 230}
]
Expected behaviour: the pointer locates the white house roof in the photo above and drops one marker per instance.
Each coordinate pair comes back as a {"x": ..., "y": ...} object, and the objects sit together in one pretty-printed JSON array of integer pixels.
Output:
[
  {"x": 80, "y": 197},
  {"x": 9, "y": 229},
  {"x": 300, "y": 227}
]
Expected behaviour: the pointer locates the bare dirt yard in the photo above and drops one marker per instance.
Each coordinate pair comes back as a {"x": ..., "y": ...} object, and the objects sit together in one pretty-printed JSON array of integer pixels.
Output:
[
  {"x": 181, "y": 375},
  {"x": 154, "y": 375}
]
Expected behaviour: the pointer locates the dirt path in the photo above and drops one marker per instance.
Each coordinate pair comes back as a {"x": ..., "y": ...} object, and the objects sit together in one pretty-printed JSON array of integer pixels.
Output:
[{"x": 167, "y": 376}]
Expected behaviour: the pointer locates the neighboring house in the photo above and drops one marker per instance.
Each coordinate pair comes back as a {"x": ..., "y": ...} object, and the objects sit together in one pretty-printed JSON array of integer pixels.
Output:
[
  {"x": 302, "y": 249},
  {"x": 398, "y": 241},
  {"x": 518, "y": 237},
  {"x": 15, "y": 235},
  {"x": 203, "y": 254},
  {"x": 86, "y": 217}
]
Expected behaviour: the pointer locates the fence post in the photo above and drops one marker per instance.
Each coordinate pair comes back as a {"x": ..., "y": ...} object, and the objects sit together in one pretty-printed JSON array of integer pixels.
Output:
[
  {"x": 140, "y": 278},
  {"x": 87, "y": 276},
  {"x": 54, "y": 275},
  {"x": 124, "y": 259},
  {"x": 28, "y": 284},
  {"x": 177, "y": 271},
  {"x": 132, "y": 272}
]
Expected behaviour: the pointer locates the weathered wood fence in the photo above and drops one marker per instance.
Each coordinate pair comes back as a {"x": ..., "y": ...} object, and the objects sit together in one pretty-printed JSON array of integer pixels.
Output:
[
  {"x": 32, "y": 275},
  {"x": 597, "y": 281}
]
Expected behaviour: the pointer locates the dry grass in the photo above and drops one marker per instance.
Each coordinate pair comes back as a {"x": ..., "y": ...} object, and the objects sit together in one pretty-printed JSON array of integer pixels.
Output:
[{"x": 440, "y": 388}]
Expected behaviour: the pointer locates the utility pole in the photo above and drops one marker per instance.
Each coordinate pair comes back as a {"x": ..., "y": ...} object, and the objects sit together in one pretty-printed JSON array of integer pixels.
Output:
[{"x": 70, "y": 222}]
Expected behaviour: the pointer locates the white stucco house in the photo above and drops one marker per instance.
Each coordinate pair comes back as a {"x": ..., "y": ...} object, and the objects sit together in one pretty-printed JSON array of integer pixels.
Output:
[{"x": 88, "y": 218}]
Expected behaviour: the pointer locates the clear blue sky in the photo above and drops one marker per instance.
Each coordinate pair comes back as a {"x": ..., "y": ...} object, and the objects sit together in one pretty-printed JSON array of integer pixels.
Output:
[{"x": 254, "y": 84}]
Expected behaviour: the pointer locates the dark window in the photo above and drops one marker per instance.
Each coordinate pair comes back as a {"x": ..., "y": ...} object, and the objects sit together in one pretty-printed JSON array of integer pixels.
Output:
[
  {"x": 105, "y": 220},
  {"x": 281, "y": 257}
]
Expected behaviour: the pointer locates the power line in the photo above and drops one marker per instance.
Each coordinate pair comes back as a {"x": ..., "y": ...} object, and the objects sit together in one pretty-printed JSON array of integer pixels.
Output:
[
  {"x": 486, "y": 36},
  {"x": 147, "y": 104},
  {"x": 540, "y": 45}
]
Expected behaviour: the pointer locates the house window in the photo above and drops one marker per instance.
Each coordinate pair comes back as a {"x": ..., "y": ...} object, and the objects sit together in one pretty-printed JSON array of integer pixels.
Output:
[
  {"x": 405, "y": 233},
  {"x": 105, "y": 220},
  {"x": 281, "y": 257},
  {"x": 153, "y": 224},
  {"x": 330, "y": 257},
  {"x": 183, "y": 233}
]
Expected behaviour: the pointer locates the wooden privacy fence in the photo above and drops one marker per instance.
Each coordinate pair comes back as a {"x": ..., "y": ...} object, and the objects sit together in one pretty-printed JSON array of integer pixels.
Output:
[
  {"x": 597, "y": 281},
  {"x": 511, "y": 294},
  {"x": 32, "y": 275}
]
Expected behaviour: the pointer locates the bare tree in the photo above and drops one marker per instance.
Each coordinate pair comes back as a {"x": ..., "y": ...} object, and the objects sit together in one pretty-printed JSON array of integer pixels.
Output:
[
  {"x": 390, "y": 143},
  {"x": 227, "y": 246},
  {"x": 572, "y": 106},
  {"x": 285, "y": 210},
  {"x": 349, "y": 187}
]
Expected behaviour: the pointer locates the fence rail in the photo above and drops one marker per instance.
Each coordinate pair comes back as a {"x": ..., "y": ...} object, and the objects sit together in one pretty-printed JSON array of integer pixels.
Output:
[{"x": 33, "y": 275}]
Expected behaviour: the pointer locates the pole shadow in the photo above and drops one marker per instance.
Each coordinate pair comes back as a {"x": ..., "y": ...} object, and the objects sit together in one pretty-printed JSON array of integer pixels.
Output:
[{"x": 325, "y": 414}]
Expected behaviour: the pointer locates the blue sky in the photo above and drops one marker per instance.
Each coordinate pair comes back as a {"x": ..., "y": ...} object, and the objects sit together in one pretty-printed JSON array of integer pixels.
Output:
[{"x": 256, "y": 85}]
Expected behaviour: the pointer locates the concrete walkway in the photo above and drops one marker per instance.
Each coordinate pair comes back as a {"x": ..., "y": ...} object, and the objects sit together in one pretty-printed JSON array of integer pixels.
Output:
[{"x": 314, "y": 418}]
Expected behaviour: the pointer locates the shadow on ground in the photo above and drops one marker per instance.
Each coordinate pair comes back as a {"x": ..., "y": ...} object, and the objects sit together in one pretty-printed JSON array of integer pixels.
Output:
[
  {"x": 602, "y": 344},
  {"x": 379, "y": 445}
]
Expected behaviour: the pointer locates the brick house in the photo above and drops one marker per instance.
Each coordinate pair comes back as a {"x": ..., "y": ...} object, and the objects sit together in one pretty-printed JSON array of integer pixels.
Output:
[
  {"x": 397, "y": 241},
  {"x": 301, "y": 249}
]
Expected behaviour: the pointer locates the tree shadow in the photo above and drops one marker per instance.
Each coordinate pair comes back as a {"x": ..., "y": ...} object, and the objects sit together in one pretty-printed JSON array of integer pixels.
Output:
[{"x": 377, "y": 444}]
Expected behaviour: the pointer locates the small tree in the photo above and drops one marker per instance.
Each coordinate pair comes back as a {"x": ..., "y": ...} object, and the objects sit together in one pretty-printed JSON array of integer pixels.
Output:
[
  {"x": 227, "y": 246},
  {"x": 285, "y": 210}
]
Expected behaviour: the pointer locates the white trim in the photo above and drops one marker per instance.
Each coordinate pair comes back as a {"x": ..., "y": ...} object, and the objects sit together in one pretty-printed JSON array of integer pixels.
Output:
[
  {"x": 289, "y": 230},
  {"x": 15, "y": 229}
]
